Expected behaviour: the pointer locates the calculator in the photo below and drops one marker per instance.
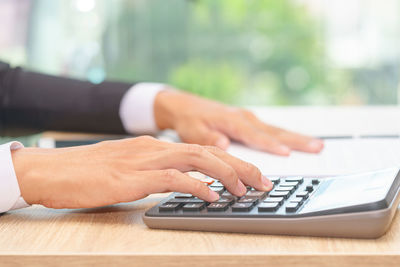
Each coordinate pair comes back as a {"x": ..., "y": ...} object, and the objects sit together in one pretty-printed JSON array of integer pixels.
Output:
[{"x": 355, "y": 206}]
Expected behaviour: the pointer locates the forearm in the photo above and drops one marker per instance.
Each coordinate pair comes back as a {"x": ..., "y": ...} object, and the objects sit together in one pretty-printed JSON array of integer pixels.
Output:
[
  {"x": 42, "y": 102},
  {"x": 123, "y": 171}
]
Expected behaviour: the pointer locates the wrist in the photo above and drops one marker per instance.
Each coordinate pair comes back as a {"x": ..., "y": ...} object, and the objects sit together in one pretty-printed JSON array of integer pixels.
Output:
[
  {"x": 26, "y": 170},
  {"x": 164, "y": 106}
]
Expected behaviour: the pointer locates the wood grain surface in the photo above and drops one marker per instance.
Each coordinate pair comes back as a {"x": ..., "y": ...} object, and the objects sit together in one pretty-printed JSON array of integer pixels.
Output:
[{"x": 116, "y": 235}]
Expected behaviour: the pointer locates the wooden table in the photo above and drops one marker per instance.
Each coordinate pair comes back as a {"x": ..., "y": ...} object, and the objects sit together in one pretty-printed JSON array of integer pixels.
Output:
[{"x": 117, "y": 236}]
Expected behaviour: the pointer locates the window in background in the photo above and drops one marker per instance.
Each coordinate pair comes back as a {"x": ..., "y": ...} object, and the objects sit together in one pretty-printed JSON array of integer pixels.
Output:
[
  {"x": 13, "y": 34},
  {"x": 246, "y": 52}
]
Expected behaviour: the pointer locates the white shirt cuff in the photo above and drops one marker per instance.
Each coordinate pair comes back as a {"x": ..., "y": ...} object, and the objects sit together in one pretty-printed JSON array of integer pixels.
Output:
[
  {"x": 137, "y": 108},
  {"x": 10, "y": 194}
]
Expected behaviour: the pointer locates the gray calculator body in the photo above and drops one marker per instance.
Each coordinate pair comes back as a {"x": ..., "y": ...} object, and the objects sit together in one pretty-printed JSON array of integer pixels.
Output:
[{"x": 356, "y": 206}]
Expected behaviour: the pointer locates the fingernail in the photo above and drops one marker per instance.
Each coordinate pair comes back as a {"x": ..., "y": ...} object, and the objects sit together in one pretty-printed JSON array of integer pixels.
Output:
[
  {"x": 222, "y": 143},
  {"x": 267, "y": 183},
  {"x": 284, "y": 150},
  {"x": 213, "y": 196},
  {"x": 241, "y": 189},
  {"x": 315, "y": 145}
]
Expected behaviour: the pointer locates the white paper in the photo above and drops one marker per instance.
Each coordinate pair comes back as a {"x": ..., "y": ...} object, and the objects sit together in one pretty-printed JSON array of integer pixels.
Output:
[{"x": 338, "y": 157}]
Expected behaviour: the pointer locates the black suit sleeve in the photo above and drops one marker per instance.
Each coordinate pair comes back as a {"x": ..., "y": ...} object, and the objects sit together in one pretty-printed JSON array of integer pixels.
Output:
[{"x": 41, "y": 102}]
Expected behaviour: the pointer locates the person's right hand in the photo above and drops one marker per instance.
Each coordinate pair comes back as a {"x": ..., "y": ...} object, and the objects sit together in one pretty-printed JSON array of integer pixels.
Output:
[{"x": 126, "y": 170}]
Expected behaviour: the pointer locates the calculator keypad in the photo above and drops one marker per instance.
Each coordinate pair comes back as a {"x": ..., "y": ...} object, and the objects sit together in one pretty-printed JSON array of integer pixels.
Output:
[
  {"x": 242, "y": 207},
  {"x": 268, "y": 206},
  {"x": 216, "y": 206},
  {"x": 194, "y": 206},
  {"x": 288, "y": 196}
]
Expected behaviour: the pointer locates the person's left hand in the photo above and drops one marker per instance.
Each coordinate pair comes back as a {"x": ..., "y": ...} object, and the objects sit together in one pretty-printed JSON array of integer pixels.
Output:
[{"x": 207, "y": 122}]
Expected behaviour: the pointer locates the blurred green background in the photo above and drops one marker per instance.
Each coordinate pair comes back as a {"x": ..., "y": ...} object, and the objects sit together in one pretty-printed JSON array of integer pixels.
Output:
[{"x": 242, "y": 52}]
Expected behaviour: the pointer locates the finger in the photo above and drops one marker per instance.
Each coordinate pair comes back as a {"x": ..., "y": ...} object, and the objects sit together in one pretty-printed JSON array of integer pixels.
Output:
[
  {"x": 293, "y": 140},
  {"x": 200, "y": 134},
  {"x": 188, "y": 157},
  {"x": 172, "y": 180},
  {"x": 300, "y": 142},
  {"x": 243, "y": 131},
  {"x": 248, "y": 173}
]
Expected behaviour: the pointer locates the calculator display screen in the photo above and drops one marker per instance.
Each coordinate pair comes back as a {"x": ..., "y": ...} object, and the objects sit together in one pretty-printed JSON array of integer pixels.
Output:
[{"x": 352, "y": 190}]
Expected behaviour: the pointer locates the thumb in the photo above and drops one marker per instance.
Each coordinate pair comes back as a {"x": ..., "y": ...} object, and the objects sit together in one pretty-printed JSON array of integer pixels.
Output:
[{"x": 202, "y": 135}]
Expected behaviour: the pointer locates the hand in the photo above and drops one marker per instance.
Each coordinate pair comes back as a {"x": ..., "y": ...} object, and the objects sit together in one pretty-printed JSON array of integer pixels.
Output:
[
  {"x": 207, "y": 122},
  {"x": 126, "y": 170}
]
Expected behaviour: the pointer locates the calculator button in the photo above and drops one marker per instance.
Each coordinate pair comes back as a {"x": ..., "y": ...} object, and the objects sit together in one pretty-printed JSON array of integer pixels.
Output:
[
  {"x": 295, "y": 184},
  {"x": 184, "y": 196},
  {"x": 217, "y": 189},
  {"x": 169, "y": 207},
  {"x": 193, "y": 206},
  {"x": 274, "y": 200},
  {"x": 228, "y": 200},
  {"x": 246, "y": 199},
  {"x": 284, "y": 194},
  {"x": 274, "y": 180},
  {"x": 238, "y": 207},
  {"x": 217, "y": 183},
  {"x": 229, "y": 195},
  {"x": 256, "y": 194},
  {"x": 294, "y": 179},
  {"x": 272, "y": 206},
  {"x": 292, "y": 206},
  {"x": 218, "y": 206},
  {"x": 285, "y": 188},
  {"x": 303, "y": 194},
  {"x": 309, "y": 188},
  {"x": 315, "y": 181},
  {"x": 297, "y": 199},
  {"x": 183, "y": 201}
]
